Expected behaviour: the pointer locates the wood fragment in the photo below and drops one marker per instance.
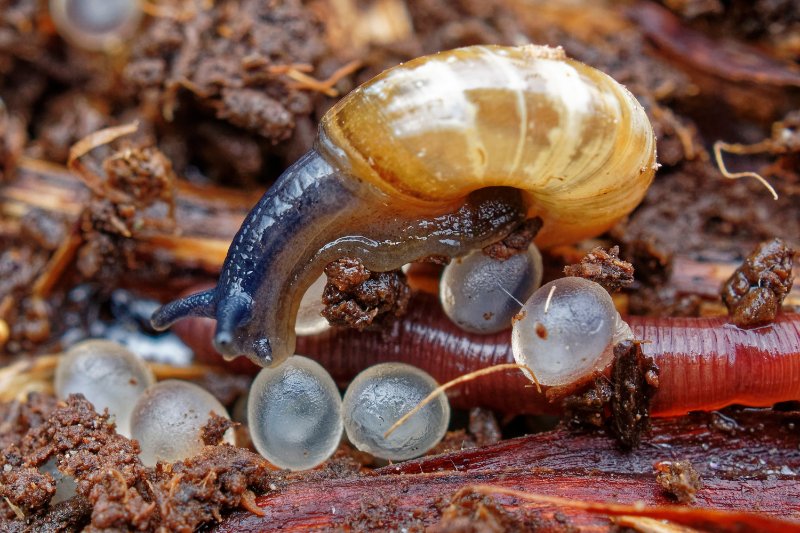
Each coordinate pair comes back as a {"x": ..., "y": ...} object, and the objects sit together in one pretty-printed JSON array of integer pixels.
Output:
[{"x": 570, "y": 472}]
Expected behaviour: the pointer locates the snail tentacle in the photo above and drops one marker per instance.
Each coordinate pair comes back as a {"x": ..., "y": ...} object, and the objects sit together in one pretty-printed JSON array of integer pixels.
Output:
[{"x": 198, "y": 304}]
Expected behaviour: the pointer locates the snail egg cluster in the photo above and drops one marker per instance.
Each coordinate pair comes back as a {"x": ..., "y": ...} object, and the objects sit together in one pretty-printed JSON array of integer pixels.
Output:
[
  {"x": 109, "y": 375},
  {"x": 482, "y": 294},
  {"x": 383, "y": 393},
  {"x": 95, "y": 24},
  {"x": 567, "y": 331},
  {"x": 309, "y": 315},
  {"x": 296, "y": 415},
  {"x": 168, "y": 420}
]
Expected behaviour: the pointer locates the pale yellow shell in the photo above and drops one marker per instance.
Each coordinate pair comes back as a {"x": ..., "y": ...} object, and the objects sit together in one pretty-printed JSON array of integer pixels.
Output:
[{"x": 436, "y": 128}]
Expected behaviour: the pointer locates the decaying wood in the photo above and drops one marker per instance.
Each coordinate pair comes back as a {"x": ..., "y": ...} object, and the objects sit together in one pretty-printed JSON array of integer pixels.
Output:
[
  {"x": 207, "y": 216},
  {"x": 748, "y": 461}
]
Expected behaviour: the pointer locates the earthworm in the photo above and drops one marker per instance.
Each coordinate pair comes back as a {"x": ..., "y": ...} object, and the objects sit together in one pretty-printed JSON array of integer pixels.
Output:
[{"x": 705, "y": 363}]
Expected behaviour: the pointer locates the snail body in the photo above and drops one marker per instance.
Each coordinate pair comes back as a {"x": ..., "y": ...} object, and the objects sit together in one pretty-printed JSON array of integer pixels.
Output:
[{"x": 437, "y": 156}]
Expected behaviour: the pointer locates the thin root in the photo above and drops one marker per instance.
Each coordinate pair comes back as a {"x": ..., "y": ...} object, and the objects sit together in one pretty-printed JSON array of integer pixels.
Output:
[
  {"x": 304, "y": 81},
  {"x": 679, "y": 514},
  {"x": 248, "y": 502},
  {"x": 719, "y": 146},
  {"x": 461, "y": 379}
]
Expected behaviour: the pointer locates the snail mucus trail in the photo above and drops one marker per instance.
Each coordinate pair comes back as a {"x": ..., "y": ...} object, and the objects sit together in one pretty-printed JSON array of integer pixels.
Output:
[{"x": 437, "y": 156}]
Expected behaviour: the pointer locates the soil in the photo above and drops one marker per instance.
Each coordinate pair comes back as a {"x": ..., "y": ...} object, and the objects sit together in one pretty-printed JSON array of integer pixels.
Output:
[
  {"x": 679, "y": 479},
  {"x": 605, "y": 268},
  {"x": 755, "y": 291},
  {"x": 357, "y": 298},
  {"x": 114, "y": 490},
  {"x": 620, "y": 402},
  {"x": 515, "y": 242}
]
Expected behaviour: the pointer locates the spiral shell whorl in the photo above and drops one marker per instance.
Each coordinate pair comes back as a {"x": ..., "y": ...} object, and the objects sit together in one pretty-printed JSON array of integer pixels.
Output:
[{"x": 436, "y": 128}]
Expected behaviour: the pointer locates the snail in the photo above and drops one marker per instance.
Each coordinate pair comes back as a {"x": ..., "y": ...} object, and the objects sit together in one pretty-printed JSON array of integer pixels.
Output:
[{"x": 437, "y": 156}]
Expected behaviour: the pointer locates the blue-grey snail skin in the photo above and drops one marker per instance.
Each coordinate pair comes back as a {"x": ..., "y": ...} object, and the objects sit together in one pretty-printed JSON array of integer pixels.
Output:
[{"x": 440, "y": 155}]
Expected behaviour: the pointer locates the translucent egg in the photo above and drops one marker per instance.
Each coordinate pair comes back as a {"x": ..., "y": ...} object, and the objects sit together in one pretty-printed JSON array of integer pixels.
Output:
[
  {"x": 66, "y": 486},
  {"x": 482, "y": 294},
  {"x": 107, "y": 374},
  {"x": 383, "y": 393},
  {"x": 309, "y": 318},
  {"x": 95, "y": 24},
  {"x": 168, "y": 419},
  {"x": 568, "y": 330},
  {"x": 294, "y": 412}
]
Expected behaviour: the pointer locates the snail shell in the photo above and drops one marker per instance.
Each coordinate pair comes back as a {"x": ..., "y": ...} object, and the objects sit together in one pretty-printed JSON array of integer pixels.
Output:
[
  {"x": 439, "y": 127},
  {"x": 437, "y": 156}
]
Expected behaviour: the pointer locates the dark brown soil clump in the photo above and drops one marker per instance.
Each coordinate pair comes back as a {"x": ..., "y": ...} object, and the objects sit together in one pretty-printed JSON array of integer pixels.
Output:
[
  {"x": 622, "y": 404},
  {"x": 755, "y": 292},
  {"x": 634, "y": 378},
  {"x": 515, "y": 242},
  {"x": 114, "y": 490},
  {"x": 356, "y": 297},
  {"x": 603, "y": 267}
]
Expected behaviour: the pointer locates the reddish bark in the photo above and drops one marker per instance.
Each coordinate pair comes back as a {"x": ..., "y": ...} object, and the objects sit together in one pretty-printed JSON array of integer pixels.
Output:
[{"x": 747, "y": 462}]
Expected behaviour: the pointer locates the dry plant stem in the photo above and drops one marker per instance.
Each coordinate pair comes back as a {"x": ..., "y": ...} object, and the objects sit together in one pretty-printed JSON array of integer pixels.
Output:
[
  {"x": 326, "y": 87},
  {"x": 19, "y": 378},
  {"x": 719, "y": 146},
  {"x": 721, "y": 519},
  {"x": 730, "y": 452},
  {"x": 59, "y": 261},
  {"x": 202, "y": 242},
  {"x": 457, "y": 381}
]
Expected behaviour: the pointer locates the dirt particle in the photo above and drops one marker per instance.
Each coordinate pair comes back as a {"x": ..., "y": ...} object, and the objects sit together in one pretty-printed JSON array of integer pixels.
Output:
[
  {"x": 678, "y": 479},
  {"x": 484, "y": 427},
  {"x": 622, "y": 403},
  {"x": 755, "y": 291},
  {"x": 603, "y": 267},
  {"x": 212, "y": 433},
  {"x": 632, "y": 376},
  {"x": 471, "y": 513},
  {"x": 541, "y": 331},
  {"x": 515, "y": 242},
  {"x": 356, "y": 297}
]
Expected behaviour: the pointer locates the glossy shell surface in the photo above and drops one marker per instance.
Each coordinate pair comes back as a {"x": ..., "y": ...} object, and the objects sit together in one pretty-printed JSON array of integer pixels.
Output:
[{"x": 438, "y": 127}]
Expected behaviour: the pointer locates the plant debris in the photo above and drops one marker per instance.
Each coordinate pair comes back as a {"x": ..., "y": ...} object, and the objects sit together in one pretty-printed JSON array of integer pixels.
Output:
[
  {"x": 679, "y": 479},
  {"x": 355, "y": 297},
  {"x": 755, "y": 292},
  {"x": 603, "y": 267},
  {"x": 114, "y": 490},
  {"x": 515, "y": 242}
]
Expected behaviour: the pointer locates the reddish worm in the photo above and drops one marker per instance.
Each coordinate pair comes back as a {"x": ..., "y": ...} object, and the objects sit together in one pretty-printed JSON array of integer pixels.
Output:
[{"x": 705, "y": 363}]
